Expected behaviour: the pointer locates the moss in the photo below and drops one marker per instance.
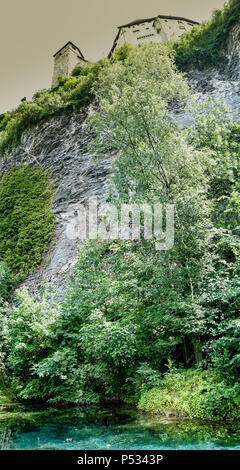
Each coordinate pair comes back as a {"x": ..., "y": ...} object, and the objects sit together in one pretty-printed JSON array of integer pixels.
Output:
[
  {"x": 26, "y": 221},
  {"x": 194, "y": 394},
  {"x": 6, "y": 283}
]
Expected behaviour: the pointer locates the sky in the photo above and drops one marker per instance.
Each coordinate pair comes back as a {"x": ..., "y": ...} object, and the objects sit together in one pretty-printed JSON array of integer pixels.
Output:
[{"x": 31, "y": 31}]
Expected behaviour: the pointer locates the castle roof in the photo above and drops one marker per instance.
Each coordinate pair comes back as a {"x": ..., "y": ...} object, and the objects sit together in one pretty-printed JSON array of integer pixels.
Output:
[
  {"x": 74, "y": 47},
  {"x": 147, "y": 20}
]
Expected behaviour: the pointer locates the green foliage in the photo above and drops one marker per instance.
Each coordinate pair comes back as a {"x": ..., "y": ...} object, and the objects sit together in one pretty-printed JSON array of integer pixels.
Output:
[
  {"x": 28, "y": 330},
  {"x": 72, "y": 356},
  {"x": 6, "y": 282},
  {"x": 219, "y": 299},
  {"x": 158, "y": 162},
  {"x": 114, "y": 335},
  {"x": 204, "y": 44},
  {"x": 70, "y": 94},
  {"x": 122, "y": 53},
  {"x": 194, "y": 394},
  {"x": 26, "y": 222},
  {"x": 131, "y": 310},
  {"x": 5, "y": 398}
]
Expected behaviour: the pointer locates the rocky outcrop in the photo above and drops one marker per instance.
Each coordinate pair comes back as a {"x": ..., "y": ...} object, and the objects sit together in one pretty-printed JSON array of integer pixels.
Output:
[
  {"x": 220, "y": 83},
  {"x": 60, "y": 144},
  {"x": 232, "y": 70},
  {"x": 207, "y": 84}
]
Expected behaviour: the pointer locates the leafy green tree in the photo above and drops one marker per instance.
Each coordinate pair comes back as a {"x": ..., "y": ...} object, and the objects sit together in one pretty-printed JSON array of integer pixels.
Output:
[{"x": 158, "y": 162}]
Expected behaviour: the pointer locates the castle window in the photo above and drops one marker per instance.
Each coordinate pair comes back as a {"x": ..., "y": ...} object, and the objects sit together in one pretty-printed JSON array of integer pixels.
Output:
[{"x": 146, "y": 36}]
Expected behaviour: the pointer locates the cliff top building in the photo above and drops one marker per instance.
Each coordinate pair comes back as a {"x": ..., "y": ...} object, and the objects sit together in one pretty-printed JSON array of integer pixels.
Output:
[
  {"x": 65, "y": 60},
  {"x": 161, "y": 28},
  {"x": 158, "y": 29}
]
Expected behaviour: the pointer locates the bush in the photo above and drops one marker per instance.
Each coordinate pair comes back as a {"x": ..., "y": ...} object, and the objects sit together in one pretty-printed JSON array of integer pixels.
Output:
[
  {"x": 71, "y": 93},
  {"x": 55, "y": 356},
  {"x": 193, "y": 393},
  {"x": 223, "y": 402},
  {"x": 26, "y": 222},
  {"x": 226, "y": 351},
  {"x": 27, "y": 336},
  {"x": 204, "y": 44}
]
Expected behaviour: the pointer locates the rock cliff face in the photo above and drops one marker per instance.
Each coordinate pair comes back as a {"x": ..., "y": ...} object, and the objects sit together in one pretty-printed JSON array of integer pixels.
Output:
[
  {"x": 222, "y": 83},
  {"x": 233, "y": 53},
  {"x": 60, "y": 144}
]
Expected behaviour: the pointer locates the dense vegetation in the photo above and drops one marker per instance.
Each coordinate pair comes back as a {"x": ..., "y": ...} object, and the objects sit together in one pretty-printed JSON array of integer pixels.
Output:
[
  {"x": 192, "y": 393},
  {"x": 155, "y": 328},
  {"x": 133, "y": 313},
  {"x": 6, "y": 282},
  {"x": 70, "y": 94},
  {"x": 204, "y": 44},
  {"x": 26, "y": 222}
]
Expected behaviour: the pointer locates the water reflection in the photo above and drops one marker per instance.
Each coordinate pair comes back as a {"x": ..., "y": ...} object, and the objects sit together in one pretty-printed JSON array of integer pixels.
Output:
[{"x": 108, "y": 428}]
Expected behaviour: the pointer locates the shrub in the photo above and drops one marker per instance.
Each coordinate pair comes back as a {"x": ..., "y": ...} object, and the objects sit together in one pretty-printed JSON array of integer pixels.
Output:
[
  {"x": 222, "y": 402},
  {"x": 71, "y": 93},
  {"x": 55, "y": 356},
  {"x": 122, "y": 53},
  {"x": 27, "y": 336},
  {"x": 204, "y": 44},
  {"x": 26, "y": 222},
  {"x": 193, "y": 393}
]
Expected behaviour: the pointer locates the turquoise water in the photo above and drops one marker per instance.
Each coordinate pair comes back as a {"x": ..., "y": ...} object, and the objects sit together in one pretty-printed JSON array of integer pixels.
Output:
[{"x": 112, "y": 428}]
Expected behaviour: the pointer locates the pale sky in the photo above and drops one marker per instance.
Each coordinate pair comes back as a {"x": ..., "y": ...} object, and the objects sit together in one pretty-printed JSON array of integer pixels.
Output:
[{"x": 31, "y": 31}]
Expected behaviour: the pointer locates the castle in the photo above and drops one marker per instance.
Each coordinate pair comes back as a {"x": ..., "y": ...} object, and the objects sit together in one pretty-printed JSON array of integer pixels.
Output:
[
  {"x": 65, "y": 60},
  {"x": 161, "y": 28}
]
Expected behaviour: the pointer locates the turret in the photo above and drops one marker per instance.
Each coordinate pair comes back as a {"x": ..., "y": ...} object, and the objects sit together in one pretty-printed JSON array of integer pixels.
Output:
[{"x": 65, "y": 60}]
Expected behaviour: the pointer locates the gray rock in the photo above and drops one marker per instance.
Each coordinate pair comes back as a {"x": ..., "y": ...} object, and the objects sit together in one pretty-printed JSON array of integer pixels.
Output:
[{"x": 60, "y": 145}]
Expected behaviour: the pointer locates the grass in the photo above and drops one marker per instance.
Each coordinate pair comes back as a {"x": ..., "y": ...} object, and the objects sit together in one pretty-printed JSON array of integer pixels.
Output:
[{"x": 194, "y": 394}]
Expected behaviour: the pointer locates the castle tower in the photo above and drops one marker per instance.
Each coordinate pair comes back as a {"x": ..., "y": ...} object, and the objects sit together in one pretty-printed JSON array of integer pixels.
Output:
[{"x": 65, "y": 60}]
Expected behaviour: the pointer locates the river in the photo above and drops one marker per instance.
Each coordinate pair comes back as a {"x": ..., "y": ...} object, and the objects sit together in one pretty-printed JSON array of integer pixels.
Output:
[{"x": 95, "y": 428}]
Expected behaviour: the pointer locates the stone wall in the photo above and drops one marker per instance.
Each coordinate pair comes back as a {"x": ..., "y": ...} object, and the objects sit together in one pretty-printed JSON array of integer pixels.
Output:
[
  {"x": 65, "y": 61},
  {"x": 153, "y": 30}
]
